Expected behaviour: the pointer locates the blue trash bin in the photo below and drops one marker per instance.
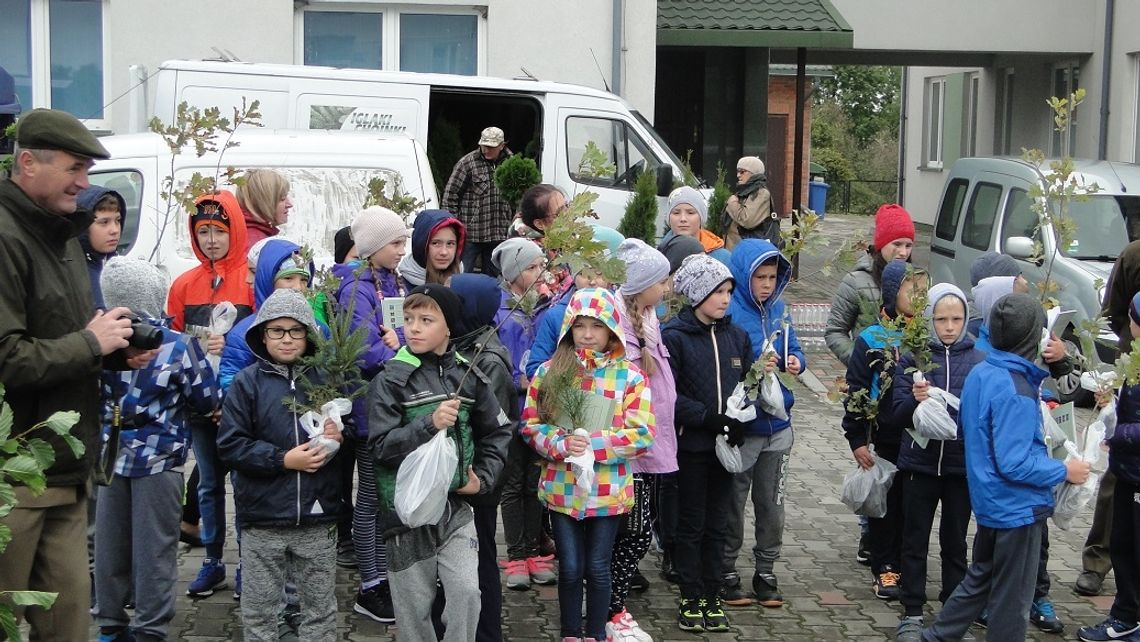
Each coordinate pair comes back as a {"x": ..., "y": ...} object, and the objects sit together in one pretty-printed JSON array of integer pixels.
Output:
[{"x": 817, "y": 197}]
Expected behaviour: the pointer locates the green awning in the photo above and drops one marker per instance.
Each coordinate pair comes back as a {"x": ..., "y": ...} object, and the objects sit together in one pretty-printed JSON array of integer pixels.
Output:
[{"x": 782, "y": 24}]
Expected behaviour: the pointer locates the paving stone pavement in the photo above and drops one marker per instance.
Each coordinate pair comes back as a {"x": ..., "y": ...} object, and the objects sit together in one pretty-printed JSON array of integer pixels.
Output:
[{"x": 828, "y": 594}]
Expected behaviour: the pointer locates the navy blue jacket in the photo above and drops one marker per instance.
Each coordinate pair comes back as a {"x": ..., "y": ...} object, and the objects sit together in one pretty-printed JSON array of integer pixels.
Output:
[
  {"x": 547, "y": 325},
  {"x": 762, "y": 319},
  {"x": 863, "y": 373},
  {"x": 952, "y": 364},
  {"x": 86, "y": 201},
  {"x": 1124, "y": 452},
  {"x": 1008, "y": 468},
  {"x": 693, "y": 348}
]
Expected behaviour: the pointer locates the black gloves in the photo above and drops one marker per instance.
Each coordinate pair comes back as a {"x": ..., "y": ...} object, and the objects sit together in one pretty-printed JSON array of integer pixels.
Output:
[{"x": 732, "y": 429}]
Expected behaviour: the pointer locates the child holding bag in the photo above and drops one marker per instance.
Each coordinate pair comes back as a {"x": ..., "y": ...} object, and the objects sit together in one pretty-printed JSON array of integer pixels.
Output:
[{"x": 590, "y": 359}]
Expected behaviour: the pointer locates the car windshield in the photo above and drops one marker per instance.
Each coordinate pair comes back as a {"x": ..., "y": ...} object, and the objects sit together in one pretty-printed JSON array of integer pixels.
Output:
[{"x": 1104, "y": 225}]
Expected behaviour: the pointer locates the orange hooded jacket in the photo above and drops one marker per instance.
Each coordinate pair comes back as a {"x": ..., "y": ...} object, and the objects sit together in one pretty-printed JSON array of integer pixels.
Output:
[{"x": 195, "y": 293}]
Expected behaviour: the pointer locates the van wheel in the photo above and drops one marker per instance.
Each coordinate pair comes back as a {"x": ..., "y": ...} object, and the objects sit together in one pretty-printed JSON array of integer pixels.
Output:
[{"x": 1069, "y": 387}]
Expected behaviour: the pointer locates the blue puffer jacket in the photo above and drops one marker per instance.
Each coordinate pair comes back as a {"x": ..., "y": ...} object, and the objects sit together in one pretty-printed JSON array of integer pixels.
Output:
[
  {"x": 952, "y": 364},
  {"x": 762, "y": 320},
  {"x": 1124, "y": 452},
  {"x": 547, "y": 324},
  {"x": 693, "y": 347},
  {"x": 237, "y": 355},
  {"x": 1008, "y": 467},
  {"x": 863, "y": 373},
  {"x": 516, "y": 332}
]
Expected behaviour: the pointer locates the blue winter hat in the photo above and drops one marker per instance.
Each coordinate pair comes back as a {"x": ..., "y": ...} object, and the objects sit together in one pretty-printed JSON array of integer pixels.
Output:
[{"x": 893, "y": 276}]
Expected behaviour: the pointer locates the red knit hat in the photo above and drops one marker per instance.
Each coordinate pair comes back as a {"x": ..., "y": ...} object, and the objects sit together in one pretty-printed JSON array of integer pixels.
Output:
[{"x": 892, "y": 222}]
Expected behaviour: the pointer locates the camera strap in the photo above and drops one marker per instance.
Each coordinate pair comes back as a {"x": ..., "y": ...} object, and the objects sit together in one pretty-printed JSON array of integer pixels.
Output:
[{"x": 105, "y": 466}]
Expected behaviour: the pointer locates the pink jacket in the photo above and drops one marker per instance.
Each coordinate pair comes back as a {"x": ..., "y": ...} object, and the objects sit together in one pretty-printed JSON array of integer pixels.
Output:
[{"x": 662, "y": 455}]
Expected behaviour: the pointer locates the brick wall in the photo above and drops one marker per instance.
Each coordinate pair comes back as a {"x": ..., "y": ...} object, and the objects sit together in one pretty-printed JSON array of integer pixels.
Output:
[{"x": 782, "y": 100}]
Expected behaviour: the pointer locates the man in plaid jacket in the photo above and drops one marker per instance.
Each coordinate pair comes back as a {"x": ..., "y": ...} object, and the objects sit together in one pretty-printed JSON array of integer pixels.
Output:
[{"x": 473, "y": 197}]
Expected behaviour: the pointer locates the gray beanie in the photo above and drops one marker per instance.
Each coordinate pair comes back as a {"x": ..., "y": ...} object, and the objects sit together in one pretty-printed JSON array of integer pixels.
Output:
[
  {"x": 514, "y": 255},
  {"x": 135, "y": 284},
  {"x": 699, "y": 276},
  {"x": 644, "y": 266},
  {"x": 375, "y": 227},
  {"x": 1015, "y": 325},
  {"x": 993, "y": 264},
  {"x": 677, "y": 247},
  {"x": 686, "y": 195},
  {"x": 281, "y": 304}
]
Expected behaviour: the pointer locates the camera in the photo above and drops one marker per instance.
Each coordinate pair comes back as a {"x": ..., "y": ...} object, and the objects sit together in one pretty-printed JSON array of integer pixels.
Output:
[{"x": 144, "y": 336}]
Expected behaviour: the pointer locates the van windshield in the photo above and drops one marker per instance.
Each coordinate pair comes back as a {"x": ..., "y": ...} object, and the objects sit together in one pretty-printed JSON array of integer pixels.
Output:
[
  {"x": 671, "y": 157},
  {"x": 1104, "y": 225}
]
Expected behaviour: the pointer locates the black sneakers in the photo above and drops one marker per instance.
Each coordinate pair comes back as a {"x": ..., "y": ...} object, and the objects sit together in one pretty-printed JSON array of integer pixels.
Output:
[
  {"x": 690, "y": 614},
  {"x": 767, "y": 590},
  {"x": 376, "y": 603}
]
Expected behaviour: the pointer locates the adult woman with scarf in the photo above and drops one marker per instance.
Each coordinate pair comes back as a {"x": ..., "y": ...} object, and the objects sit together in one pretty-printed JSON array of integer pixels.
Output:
[{"x": 750, "y": 207}]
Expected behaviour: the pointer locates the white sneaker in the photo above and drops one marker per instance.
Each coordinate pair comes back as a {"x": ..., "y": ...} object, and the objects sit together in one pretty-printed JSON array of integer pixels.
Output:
[{"x": 623, "y": 628}]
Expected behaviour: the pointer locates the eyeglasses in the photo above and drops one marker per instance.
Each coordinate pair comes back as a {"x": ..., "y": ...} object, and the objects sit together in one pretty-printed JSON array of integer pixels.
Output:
[{"x": 296, "y": 332}]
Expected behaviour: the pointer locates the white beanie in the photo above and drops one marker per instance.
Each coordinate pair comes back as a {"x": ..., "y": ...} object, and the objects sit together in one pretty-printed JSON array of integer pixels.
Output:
[
  {"x": 699, "y": 276},
  {"x": 514, "y": 255},
  {"x": 644, "y": 266},
  {"x": 375, "y": 227},
  {"x": 752, "y": 164},
  {"x": 686, "y": 195},
  {"x": 135, "y": 284}
]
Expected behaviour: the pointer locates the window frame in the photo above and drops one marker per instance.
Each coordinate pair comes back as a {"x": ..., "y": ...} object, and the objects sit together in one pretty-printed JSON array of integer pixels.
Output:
[
  {"x": 934, "y": 123},
  {"x": 39, "y": 39},
  {"x": 1004, "y": 143},
  {"x": 974, "y": 88},
  {"x": 390, "y": 27},
  {"x": 1072, "y": 73}
]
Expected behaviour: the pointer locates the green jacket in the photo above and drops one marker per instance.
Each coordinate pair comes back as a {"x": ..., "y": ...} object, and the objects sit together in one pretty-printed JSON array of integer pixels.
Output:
[
  {"x": 49, "y": 361},
  {"x": 400, "y": 402}
]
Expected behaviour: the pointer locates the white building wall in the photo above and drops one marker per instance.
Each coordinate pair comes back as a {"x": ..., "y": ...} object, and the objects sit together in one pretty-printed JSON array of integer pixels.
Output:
[{"x": 551, "y": 38}]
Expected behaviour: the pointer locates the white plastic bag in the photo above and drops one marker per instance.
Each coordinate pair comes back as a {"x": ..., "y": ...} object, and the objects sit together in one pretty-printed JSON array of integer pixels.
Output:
[
  {"x": 583, "y": 465},
  {"x": 865, "y": 490},
  {"x": 1070, "y": 499},
  {"x": 729, "y": 456},
  {"x": 222, "y": 318},
  {"x": 422, "y": 481},
  {"x": 771, "y": 397},
  {"x": 314, "y": 424},
  {"x": 738, "y": 406},
  {"x": 1107, "y": 418},
  {"x": 931, "y": 418}
]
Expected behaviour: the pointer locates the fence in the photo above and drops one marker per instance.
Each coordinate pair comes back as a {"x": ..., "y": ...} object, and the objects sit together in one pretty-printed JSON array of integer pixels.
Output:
[
  {"x": 810, "y": 320},
  {"x": 860, "y": 196}
]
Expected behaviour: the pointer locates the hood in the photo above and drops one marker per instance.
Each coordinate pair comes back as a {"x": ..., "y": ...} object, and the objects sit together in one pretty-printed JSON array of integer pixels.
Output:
[
  {"x": 480, "y": 296},
  {"x": 235, "y": 259},
  {"x": 86, "y": 201},
  {"x": 988, "y": 291},
  {"x": 273, "y": 254},
  {"x": 412, "y": 272},
  {"x": 282, "y": 303},
  {"x": 426, "y": 224},
  {"x": 865, "y": 263},
  {"x": 598, "y": 303},
  {"x": 937, "y": 293},
  {"x": 746, "y": 257}
]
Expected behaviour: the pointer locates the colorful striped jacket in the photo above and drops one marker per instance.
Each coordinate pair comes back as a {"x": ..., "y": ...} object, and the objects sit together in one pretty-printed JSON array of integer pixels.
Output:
[{"x": 628, "y": 435}]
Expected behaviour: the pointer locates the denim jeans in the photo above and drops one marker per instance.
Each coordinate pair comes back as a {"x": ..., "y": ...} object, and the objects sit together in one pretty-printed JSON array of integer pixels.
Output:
[
  {"x": 584, "y": 551},
  {"x": 211, "y": 484}
]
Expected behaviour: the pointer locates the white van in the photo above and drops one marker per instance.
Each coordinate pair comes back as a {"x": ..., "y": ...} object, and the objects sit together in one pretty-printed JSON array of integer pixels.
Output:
[
  {"x": 328, "y": 174},
  {"x": 550, "y": 122}
]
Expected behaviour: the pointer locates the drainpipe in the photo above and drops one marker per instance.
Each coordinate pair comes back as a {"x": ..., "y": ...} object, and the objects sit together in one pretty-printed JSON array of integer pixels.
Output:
[
  {"x": 1105, "y": 75},
  {"x": 905, "y": 91},
  {"x": 615, "y": 74}
]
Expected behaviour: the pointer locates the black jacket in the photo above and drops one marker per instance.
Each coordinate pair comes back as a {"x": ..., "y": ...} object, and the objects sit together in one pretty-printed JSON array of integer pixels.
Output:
[
  {"x": 1124, "y": 446},
  {"x": 495, "y": 362},
  {"x": 257, "y": 430},
  {"x": 952, "y": 365},
  {"x": 701, "y": 391}
]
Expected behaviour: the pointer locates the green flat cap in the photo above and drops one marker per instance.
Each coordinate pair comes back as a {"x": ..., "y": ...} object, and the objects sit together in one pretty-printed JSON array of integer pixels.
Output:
[{"x": 54, "y": 129}]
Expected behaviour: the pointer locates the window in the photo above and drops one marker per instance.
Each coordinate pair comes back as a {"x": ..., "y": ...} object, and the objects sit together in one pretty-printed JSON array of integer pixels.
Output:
[
  {"x": 1019, "y": 218},
  {"x": 980, "y": 216},
  {"x": 947, "y": 227},
  {"x": 623, "y": 149},
  {"x": 934, "y": 111},
  {"x": 1066, "y": 80},
  {"x": 447, "y": 40},
  {"x": 974, "y": 83},
  {"x": 1003, "y": 142},
  {"x": 55, "y": 51}
]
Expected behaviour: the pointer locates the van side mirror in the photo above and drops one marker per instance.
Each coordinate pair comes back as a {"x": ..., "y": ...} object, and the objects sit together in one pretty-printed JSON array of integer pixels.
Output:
[
  {"x": 1020, "y": 247},
  {"x": 664, "y": 180}
]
